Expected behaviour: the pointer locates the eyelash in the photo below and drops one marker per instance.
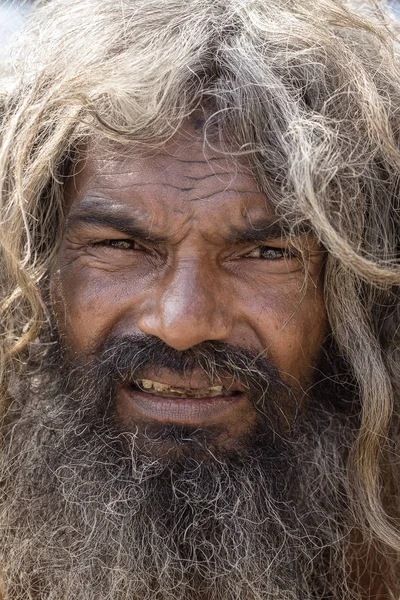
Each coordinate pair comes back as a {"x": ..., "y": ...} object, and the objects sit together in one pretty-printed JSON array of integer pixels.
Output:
[
  {"x": 286, "y": 253},
  {"x": 113, "y": 244}
]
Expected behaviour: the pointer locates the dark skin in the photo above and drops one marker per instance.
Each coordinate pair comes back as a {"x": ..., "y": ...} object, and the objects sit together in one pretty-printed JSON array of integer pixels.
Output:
[{"x": 182, "y": 245}]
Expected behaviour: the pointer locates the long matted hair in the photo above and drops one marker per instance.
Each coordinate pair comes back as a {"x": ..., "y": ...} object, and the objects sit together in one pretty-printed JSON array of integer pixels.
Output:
[{"x": 308, "y": 91}]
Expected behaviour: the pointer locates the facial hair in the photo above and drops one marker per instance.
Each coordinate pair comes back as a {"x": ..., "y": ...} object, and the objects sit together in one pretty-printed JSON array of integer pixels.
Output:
[{"x": 89, "y": 510}]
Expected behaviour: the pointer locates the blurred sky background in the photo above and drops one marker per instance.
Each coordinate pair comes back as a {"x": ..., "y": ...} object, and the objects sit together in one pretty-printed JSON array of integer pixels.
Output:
[
  {"x": 12, "y": 15},
  {"x": 395, "y": 5}
]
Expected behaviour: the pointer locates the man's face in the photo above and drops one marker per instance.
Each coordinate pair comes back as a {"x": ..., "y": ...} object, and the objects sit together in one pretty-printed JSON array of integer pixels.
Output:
[
  {"x": 154, "y": 449},
  {"x": 181, "y": 246}
]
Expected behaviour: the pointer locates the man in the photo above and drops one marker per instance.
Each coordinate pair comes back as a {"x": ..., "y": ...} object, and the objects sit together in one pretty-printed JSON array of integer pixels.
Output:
[{"x": 200, "y": 305}]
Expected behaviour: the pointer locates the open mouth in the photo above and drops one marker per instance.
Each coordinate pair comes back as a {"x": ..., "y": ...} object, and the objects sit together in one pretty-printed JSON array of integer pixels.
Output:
[
  {"x": 188, "y": 401},
  {"x": 157, "y": 388}
]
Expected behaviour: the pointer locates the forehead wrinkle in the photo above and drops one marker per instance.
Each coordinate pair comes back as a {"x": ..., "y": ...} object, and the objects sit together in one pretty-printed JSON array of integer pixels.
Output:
[
  {"x": 163, "y": 170},
  {"x": 231, "y": 181},
  {"x": 212, "y": 179},
  {"x": 205, "y": 161},
  {"x": 147, "y": 185},
  {"x": 217, "y": 165},
  {"x": 225, "y": 191},
  {"x": 163, "y": 163},
  {"x": 162, "y": 186},
  {"x": 202, "y": 188}
]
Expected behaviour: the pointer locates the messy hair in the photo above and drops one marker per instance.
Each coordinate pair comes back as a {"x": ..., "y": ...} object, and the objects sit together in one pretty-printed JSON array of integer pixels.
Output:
[{"x": 308, "y": 91}]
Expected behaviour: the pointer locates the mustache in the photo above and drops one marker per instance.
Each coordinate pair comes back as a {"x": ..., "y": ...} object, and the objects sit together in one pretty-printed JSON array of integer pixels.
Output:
[
  {"x": 130, "y": 355},
  {"x": 123, "y": 358}
]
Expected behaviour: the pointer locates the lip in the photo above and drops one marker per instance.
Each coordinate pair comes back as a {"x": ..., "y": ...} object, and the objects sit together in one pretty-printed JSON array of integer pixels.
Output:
[{"x": 135, "y": 404}]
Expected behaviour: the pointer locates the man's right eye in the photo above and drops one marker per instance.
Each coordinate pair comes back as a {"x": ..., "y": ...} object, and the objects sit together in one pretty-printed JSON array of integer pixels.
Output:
[{"x": 127, "y": 244}]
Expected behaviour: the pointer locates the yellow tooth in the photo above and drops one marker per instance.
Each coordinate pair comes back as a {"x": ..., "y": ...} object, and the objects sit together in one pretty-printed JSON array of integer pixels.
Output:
[
  {"x": 174, "y": 390},
  {"x": 160, "y": 387},
  {"x": 147, "y": 384}
]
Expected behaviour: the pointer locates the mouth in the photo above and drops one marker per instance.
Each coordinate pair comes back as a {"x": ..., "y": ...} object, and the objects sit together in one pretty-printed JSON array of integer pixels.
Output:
[
  {"x": 179, "y": 401},
  {"x": 164, "y": 390}
]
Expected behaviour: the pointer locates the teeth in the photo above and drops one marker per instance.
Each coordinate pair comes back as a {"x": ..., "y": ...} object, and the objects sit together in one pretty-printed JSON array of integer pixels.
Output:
[
  {"x": 167, "y": 390},
  {"x": 147, "y": 384}
]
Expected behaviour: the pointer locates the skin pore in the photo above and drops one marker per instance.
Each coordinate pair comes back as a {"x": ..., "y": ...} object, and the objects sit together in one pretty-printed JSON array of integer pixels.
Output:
[{"x": 181, "y": 245}]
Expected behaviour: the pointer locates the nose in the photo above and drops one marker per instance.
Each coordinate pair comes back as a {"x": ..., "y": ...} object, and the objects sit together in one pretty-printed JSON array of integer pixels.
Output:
[{"x": 187, "y": 308}]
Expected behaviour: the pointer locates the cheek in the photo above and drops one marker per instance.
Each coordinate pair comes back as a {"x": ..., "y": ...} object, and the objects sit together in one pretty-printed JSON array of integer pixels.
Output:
[
  {"x": 291, "y": 324},
  {"x": 88, "y": 303}
]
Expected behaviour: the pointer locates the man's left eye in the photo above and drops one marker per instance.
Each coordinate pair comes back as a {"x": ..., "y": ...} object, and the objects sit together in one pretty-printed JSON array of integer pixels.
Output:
[{"x": 269, "y": 253}]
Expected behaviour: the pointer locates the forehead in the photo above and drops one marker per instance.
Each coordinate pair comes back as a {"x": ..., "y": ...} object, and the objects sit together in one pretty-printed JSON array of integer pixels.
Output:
[{"x": 186, "y": 177}]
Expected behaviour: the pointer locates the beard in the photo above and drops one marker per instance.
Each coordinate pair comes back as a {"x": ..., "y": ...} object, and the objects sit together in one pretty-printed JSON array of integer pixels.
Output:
[{"x": 91, "y": 511}]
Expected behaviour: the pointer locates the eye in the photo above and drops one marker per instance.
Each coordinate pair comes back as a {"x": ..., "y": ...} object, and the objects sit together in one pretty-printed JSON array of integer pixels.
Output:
[
  {"x": 269, "y": 253},
  {"x": 116, "y": 244}
]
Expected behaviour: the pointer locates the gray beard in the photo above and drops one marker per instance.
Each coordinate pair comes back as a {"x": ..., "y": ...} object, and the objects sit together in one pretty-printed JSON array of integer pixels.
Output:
[{"x": 87, "y": 513}]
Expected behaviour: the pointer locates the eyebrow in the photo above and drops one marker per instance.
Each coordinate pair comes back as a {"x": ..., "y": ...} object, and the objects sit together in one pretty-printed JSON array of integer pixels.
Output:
[
  {"x": 127, "y": 225},
  {"x": 256, "y": 232}
]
